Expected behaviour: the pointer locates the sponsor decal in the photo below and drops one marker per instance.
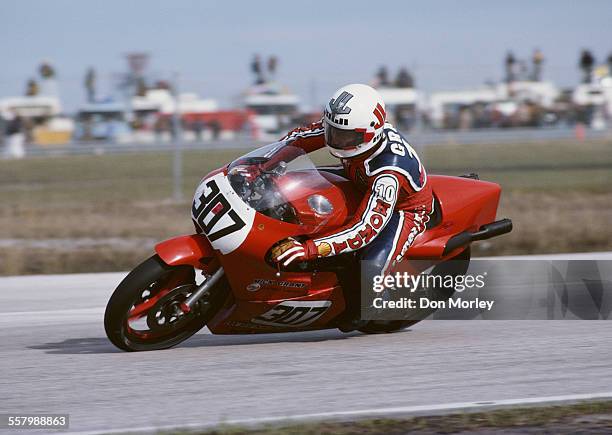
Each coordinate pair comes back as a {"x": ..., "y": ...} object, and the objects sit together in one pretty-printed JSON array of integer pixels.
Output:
[
  {"x": 253, "y": 287},
  {"x": 376, "y": 218},
  {"x": 324, "y": 249},
  {"x": 293, "y": 313},
  {"x": 260, "y": 282},
  {"x": 248, "y": 325},
  {"x": 376, "y": 215},
  {"x": 338, "y": 105}
]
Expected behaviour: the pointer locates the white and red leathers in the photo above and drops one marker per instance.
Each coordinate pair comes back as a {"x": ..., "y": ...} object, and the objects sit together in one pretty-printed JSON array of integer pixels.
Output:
[{"x": 395, "y": 207}]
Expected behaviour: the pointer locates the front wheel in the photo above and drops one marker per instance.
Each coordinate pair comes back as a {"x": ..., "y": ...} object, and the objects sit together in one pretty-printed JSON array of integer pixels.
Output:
[{"x": 144, "y": 311}]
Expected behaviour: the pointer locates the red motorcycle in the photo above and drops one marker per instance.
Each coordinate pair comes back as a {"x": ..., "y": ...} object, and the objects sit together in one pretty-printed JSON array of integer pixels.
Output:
[{"x": 223, "y": 277}]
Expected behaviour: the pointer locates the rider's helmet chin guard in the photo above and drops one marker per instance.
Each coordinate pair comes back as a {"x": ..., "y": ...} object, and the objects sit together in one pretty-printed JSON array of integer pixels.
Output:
[{"x": 353, "y": 119}]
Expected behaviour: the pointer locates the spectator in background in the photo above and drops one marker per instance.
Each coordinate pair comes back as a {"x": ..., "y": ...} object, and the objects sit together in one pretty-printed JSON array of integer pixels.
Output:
[
  {"x": 215, "y": 128},
  {"x": 522, "y": 73},
  {"x": 586, "y": 65},
  {"x": 404, "y": 79},
  {"x": 198, "y": 128},
  {"x": 141, "y": 87},
  {"x": 382, "y": 77},
  {"x": 159, "y": 127},
  {"x": 272, "y": 66},
  {"x": 538, "y": 60},
  {"x": 609, "y": 61},
  {"x": 32, "y": 88},
  {"x": 15, "y": 136},
  {"x": 510, "y": 67},
  {"x": 46, "y": 70},
  {"x": 90, "y": 85},
  {"x": 466, "y": 118},
  {"x": 48, "y": 80},
  {"x": 256, "y": 68}
]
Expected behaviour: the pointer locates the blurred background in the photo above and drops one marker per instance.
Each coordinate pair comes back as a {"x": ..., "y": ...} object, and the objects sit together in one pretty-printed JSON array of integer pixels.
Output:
[{"x": 111, "y": 112}]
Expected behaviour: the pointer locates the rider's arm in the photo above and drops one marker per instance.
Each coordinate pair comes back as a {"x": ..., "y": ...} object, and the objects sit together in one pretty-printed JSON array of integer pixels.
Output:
[
  {"x": 373, "y": 214},
  {"x": 310, "y": 138}
]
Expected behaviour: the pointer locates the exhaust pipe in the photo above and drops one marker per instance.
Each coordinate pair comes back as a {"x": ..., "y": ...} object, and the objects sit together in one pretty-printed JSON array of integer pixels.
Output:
[{"x": 485, "y": 232}]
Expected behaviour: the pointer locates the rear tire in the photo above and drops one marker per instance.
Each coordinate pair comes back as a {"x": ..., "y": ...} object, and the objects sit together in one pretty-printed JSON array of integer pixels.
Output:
[
  {"x": 151, "y": 278},
  {"x": 457, "y": 265},
  {"x": 382, "y": 327}
]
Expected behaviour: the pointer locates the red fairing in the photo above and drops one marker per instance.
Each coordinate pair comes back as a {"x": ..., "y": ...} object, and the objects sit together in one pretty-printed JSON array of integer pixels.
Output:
[
  {"x": 466, "y": 205},
  {"x": 193, "y": 250},
  {"x": 335, "y": 188}
]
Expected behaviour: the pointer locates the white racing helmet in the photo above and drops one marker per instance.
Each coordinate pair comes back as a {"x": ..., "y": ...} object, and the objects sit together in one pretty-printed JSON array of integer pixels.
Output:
[{"x": 353, "y": 120}]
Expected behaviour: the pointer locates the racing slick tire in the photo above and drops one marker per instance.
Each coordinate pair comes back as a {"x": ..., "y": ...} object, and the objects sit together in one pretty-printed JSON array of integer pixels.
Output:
[{"x": 156, "y": 290}]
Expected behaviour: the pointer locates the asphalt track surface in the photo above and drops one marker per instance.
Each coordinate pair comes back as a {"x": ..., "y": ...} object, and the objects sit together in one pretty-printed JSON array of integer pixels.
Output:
[{"x": 55, "y": 358}]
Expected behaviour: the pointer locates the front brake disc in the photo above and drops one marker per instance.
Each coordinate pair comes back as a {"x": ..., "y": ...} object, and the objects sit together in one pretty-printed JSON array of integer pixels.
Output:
[{"x": 166, "y": 314}]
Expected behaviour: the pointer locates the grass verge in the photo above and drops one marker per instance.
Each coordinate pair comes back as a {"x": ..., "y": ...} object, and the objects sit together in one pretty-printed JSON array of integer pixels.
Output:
[
  {"x": 559, "y": 196},
  {"x": 584, "y": 418}
]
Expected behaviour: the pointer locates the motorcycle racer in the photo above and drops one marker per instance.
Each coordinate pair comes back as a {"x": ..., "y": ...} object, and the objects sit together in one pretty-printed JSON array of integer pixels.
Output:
[
  {"x": 379, "y": 161},
  {"x": 245, "y": 212}
]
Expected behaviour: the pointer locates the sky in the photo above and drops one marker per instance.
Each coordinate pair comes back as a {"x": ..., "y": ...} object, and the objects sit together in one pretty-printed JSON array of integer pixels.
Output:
[{"x": 321, "y": 45}]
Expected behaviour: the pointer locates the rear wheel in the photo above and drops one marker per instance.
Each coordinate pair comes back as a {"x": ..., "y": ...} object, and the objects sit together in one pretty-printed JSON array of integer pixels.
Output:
[
  {"x": 144, "y": 311},
  {"x": 456, "y": 266}
]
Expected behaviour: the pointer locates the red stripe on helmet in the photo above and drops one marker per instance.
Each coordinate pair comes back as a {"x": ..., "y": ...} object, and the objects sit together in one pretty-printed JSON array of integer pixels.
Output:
[
  {"x": 367, "y": 135},
  {"x": 380, "y": 114}
]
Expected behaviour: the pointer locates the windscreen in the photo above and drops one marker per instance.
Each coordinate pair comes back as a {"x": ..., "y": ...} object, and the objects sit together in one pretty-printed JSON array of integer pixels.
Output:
[{"x": 275, "y": 179}]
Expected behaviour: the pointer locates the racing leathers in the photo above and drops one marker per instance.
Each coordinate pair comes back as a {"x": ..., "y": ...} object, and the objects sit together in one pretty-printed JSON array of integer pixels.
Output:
[{"x": 395, "y": 207}]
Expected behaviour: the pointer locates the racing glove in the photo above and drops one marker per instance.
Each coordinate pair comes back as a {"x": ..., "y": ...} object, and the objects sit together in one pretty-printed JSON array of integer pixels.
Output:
[{"x": 290, "y": 250}]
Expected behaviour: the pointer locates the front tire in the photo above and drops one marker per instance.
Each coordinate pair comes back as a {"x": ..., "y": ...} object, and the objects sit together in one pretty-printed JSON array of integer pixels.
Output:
[{"x": 142, "y": 314}]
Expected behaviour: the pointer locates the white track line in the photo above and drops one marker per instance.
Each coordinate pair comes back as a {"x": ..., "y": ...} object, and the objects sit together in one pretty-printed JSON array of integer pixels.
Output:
[
  {"x": 552, "y": 257},
  {"x": 58, "y": 313},
  {"x": 444, "y": 408},
  {"x": 50, "y": 317}
]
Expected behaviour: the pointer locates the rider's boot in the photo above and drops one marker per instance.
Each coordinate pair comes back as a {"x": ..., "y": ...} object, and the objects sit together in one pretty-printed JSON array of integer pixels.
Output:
[
  {"x": 351, "y": 320},
  {"x": 350, "y": 325}
]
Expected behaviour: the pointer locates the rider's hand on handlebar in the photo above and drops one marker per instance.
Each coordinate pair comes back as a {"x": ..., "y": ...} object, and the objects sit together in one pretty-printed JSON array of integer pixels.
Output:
[
  {"x": 250, "y": 173},
  {"x": 289, "y": 250}
]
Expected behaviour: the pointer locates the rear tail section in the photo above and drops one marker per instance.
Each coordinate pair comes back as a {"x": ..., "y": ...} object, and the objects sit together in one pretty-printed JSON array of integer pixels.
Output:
[{"x": 466, "y": 209}]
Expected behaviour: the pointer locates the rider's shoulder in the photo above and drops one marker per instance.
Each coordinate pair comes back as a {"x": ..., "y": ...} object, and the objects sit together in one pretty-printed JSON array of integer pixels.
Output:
[
  {"x": 397, "y": 156},
  {"x": 395, "y": 149},
  {"x": 393, "y": 135},
  {"x": 389, "y": 127}
]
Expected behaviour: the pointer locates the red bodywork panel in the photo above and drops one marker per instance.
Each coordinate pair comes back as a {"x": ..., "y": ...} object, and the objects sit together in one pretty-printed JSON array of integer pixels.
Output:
[
  {"x": 338, "y": 190},
  {"x": 193, "y": 250},
  {"x": 466, "y": 204}
]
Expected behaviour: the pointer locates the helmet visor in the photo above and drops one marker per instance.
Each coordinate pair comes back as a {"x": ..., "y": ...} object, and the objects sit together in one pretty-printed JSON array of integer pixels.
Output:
[{"x": 342, "y": 139}]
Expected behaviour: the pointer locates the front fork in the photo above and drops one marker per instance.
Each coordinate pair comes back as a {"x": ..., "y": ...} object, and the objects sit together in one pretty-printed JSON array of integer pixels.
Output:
[
  {"x": 201, "y": 290},
  {"x": 193, "y": 250}
]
